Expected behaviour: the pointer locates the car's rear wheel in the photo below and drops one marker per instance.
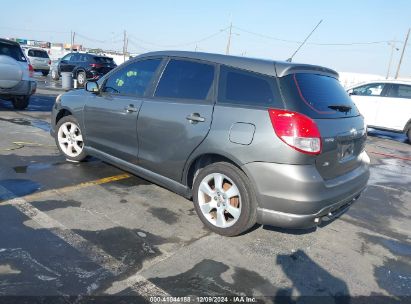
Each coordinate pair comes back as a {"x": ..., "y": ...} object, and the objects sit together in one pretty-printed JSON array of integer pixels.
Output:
[
  {"x": 20, "y": 102},
  {"x": 45, "y": 73},
  {"x": 55, "y": 75},
  {"x": 223, "y": 199},
  {"x": 81, "y": 79},
  {"x": 69, "y": 139},
  {"x": 409, "y": 135}
]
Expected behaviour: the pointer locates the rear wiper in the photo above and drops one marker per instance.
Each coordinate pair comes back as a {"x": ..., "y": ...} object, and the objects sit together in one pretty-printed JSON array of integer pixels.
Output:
[{"x": 340, "y": 108}]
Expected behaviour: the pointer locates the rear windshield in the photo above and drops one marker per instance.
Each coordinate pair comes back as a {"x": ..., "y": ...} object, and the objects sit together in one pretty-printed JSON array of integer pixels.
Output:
[
  {"x": 107, "y": 60},
  {"x": 38, "y": 53},
  {"x": 317, "y": 96},
  {"x": 13, "y": 51}
]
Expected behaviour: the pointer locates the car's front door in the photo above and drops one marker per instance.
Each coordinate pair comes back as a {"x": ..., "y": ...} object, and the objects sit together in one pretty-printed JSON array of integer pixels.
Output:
[
  {"x": 366, "y": 98},
  {"x": 66, "y": 63},
  {"x": 110, "y": 117},
  {"x": 394, "y": 110},
  {"x": 173, "y": 123}
]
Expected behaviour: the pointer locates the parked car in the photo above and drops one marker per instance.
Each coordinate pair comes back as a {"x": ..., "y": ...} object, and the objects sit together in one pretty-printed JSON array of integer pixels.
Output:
[
  {"x": 39, "y": 59},
  {"x": 249, "y": 140},
  {"x": 385, "y": 104},
  {"x": 83, "y": 66},
  {"x": 16, "y": 83}
]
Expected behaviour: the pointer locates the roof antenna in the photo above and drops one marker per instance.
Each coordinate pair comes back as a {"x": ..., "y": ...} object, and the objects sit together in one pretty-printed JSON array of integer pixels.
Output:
[{"x": 296, "y": 51}]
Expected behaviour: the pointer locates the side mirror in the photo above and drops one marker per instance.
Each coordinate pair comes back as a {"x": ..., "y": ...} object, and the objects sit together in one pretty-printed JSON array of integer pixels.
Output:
[
  {"x": 92, "y": 86},
  {"x": 351, "y": 92}
]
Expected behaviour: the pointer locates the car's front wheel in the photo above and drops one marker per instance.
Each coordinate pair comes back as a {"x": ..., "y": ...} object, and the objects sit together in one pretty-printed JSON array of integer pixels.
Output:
[
  {"x": 69, "y": 139},
  {"x": 55, "y": 75},
  {"x": 224, "y": 199}
]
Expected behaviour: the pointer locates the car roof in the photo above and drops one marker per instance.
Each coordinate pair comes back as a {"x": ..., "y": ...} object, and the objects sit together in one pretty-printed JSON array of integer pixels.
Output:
[
  {"x": 388, "y": 81},
  {"x": 263, "y": 66},
  {"x": 2, "y": 40}
]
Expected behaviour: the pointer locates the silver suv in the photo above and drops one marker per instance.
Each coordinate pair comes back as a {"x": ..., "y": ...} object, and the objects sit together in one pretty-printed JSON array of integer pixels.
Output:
[
  {"x": 39, "y": 59},
  {"x": 16, "y": 82},
  {"x": 248, "y": 140}
]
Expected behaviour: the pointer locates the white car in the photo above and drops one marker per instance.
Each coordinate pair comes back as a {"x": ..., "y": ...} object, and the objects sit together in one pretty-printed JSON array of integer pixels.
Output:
[{"x": 385, "y": 104}]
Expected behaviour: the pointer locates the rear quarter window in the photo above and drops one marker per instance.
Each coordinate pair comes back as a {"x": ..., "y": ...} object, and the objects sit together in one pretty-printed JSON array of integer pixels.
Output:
[
  {"x": 317, "y": 96},
  {"x": 239, "y": 87}
]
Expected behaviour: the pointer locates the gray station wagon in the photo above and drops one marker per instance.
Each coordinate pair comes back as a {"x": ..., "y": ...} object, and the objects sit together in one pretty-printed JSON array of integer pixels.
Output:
[{"x": 249, "y": 140}]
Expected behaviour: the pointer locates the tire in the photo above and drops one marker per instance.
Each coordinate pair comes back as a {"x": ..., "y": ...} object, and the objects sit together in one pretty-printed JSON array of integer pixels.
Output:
[
  {"x": 69, "y": 139},
  {"x": 21, "y": 102},
  {"x": 409, "y": 135},
  {"x": 231, "y": 209},
  {"x": 81, "y": 79},
  {"x": 55, "y": 75},
  {"x": 45, "y": 73}
]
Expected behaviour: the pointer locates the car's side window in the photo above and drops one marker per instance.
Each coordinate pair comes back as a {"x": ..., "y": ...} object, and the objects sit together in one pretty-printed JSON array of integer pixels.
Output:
[
  {"x": 67, "y": 57},
  {"x": 186, "y": 80},
  {"x": 374, "y": 89},
  {"x": 75, "y": 58},
  {"x": 399, "y": 90},
  {"x": 133, "y": 79},
  {"x": 245, "y": 88}
]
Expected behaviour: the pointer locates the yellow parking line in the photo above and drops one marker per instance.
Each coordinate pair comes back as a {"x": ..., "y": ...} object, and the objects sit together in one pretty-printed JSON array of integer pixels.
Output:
[{"x": 47, "y": 193}]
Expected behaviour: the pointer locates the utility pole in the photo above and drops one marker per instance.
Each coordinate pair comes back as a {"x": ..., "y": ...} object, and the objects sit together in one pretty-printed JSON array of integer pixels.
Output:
[
  {"x": 392, "y": 43},
  {"x": 227, "y": 50},
  {"x": 402, "y": 53},
  {"x": 124, "y": 46},
  {"x": 71, "y": 41}
]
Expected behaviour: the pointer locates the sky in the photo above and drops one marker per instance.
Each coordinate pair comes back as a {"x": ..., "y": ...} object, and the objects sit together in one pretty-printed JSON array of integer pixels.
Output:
[{"x": 261, "y": 28}]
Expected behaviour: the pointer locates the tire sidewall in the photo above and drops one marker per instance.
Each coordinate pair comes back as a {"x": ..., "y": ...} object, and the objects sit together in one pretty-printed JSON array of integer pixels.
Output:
[
  {"x": 248, "y": 207},
  {"x": 21, "y": 102},
  {"x": 82, "y": 156}
]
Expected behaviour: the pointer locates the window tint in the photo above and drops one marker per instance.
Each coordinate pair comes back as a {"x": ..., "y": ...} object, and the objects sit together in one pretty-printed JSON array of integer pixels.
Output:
[
  {"x": 38, "y": 53},
  {"x": 133, "y": 78},
  {"x": 399, "y": 90},
  {"x": 241, "y": 87},
  {"x": 317, "y": 96},
  {"x": 67, "y": 57},
  {"x": 186, "y": 80},
  {"x": 103, "y": 60},
  {"x": 75, "y": 58},
  {"x": 13, "y": 51},
  {"x": 374, "y": 89}
]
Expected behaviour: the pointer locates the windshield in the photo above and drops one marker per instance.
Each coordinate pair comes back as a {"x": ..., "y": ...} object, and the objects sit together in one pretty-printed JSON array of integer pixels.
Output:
[
  {"x": 317, "y": 96},
  {"x": 106, "y": 60}
]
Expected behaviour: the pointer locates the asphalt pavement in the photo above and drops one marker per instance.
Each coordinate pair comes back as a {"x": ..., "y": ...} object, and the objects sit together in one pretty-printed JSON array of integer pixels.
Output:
[{"x": 92, "y": 229}]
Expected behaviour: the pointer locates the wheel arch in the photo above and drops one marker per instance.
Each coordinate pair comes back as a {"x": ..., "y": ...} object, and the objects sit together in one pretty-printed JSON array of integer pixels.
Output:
[
  {"x": 62, "y": 113},
  {"x": 407, "y": 126},
  {"x": 202, "y": 161}
]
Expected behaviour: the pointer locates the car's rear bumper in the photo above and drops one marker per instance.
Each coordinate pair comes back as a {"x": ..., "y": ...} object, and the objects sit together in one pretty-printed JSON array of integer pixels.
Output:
[
  {"x": 296, "y": 196},
  {"x": 24, "y": 88}
]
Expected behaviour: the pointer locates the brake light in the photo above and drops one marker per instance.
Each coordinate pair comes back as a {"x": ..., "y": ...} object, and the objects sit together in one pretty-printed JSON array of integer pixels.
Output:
[
  {"x": 49, "y": 62},
  {"x": 31, "y": 70},
  {"x": 296, "y": 130},
  {"x": 96, "y": 65}
]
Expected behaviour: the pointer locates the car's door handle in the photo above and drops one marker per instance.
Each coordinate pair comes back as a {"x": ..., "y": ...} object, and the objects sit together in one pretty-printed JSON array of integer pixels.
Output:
[
  {"x": 195, "y": 118},
  {"x": 130, "y": 109}
]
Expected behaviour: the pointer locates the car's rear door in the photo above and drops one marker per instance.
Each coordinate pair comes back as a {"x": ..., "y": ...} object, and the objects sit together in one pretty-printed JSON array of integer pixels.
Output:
[
  {"x": 394, "y": 110},
  {"x": 178, "y": 117},
  {"x": 66, "y": 63},
  {"x": 110, "y": 117}
]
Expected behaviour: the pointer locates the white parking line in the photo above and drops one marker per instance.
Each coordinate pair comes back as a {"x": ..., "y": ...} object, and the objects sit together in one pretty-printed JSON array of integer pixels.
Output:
[{"x": 144, "y": 287}]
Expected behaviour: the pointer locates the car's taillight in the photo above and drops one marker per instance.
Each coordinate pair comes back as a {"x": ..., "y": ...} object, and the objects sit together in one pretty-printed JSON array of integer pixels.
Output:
[
  {"x": 49, "y": 62},
  {"x": 96, "y": 65},
  {"x": 31, "y": 70},
  {"x": 296, "y": 130}
]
